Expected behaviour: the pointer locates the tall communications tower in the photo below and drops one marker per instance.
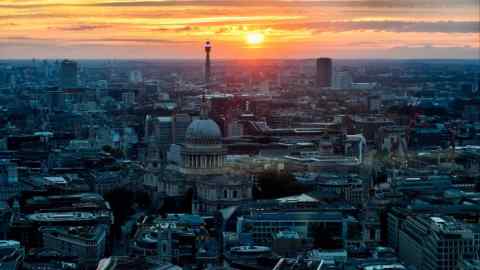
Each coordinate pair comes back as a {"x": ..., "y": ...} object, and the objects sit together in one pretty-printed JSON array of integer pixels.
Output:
[{"x": 208, "y": 48}]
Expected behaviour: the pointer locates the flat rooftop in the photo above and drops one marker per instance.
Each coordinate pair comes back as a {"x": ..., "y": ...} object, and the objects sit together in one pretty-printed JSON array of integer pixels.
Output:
[
  {"x": 79, "y": 232},
  {"x": 297, "y": 216},
  {"x": 62, "y": 216}
]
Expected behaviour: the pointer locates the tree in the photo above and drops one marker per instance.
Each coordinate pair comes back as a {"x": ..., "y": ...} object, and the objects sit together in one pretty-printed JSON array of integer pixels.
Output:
[
  {"x": 121, "y": 202},
  {"x": 114, "y": 152},
  {"x": 143, "y": 199},
  {"x": 273, "y": 184},
  {"x": 107, "y": 148},
  {"x": 326, "y": 238}
]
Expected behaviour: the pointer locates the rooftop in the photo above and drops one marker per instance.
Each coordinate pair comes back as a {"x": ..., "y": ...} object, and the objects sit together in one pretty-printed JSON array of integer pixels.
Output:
[
  {"x": 297, "y": 216},
  {"x": 61, "y": 216},
  {"x": 127, "y": 263},
  {"x": 287, "y": 235},
  {"x": 391, "y": 266},
  {"x": 297, "y": 198},
  {"x": 9, "y": 244},
  {"x": 448, "y": 224},
  {"x": 79, "y": 232},
  {"x": 186, "y": 218}
]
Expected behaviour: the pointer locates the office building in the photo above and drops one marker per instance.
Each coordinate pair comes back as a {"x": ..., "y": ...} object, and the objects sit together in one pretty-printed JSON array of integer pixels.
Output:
[
  {"x": 159, "y": 130},
  {"x": 56, "y": 100},
  {"x": 9, "y": 185},
  {"x": 84, "y": 209},
  {"x": 263, "y": 225},
  {"x": 128, "y": 98},
  {"x": 470, "y": 264},
  {"x": 288, "y": 243},
  {"x": 172, "y": 239},
  {"x": 5, "y": 213},
  {"x": 324, "y": 72},
  {"x": 235, "y": 129},
  {"x": 11, "y": 255},
  {"x": 85, "y": 242},
  {"x": 432, "y": 242},
  {"x": 68, "y": 74},
  {"x": 135, "y": 76},
  {"x": 181, "y": 122},
  {"x": 343, "y": 80},
  {"x": 151, "y": 87},
  {"x": 134, "y": 262},
  {"x": 374, "y": 103},
  {"x": 8, "y": 172}
]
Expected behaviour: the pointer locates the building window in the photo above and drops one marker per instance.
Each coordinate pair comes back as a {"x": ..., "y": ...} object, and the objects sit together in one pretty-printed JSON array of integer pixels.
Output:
[
  {"x": 225, "y": 194},
  {"x": 235, "y": 194}
]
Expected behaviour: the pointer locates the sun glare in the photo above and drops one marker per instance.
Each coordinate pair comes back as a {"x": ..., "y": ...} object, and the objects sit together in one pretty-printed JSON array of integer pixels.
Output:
[{"x": 255, "y": 38}]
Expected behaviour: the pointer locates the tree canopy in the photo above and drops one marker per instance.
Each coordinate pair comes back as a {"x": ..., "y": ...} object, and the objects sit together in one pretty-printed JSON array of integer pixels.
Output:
[
  {"x": 122, "y": 202},
  {"x": 325, "y": 237},
  {"x": 274, "y": 184}
]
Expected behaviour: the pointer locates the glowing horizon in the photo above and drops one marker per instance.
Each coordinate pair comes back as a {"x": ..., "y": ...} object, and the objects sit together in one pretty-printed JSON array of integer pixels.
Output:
[{"x": 287, "y": 29}]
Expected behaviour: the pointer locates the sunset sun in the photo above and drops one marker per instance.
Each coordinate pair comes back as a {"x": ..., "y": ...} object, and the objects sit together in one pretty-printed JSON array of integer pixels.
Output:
[{"x": 255, "y": 38}]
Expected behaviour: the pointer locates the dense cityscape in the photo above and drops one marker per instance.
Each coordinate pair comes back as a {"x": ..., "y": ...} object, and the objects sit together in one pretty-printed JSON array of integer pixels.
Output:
[{"x": 240, "y": 164}]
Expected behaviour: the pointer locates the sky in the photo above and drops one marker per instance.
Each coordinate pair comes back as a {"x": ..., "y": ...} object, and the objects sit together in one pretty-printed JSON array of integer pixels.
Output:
[{"x": 290, "y": 28}]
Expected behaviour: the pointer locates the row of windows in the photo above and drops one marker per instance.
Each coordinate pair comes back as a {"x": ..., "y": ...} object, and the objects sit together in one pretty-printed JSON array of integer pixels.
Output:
[{"x": 234, "y": 194}]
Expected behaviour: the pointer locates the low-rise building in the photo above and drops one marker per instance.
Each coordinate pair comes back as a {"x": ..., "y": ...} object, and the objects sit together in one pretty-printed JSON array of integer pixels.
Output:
[
  {"x": 176, "y": 239},
  {"x": 85, "y": 242},
  {"x": 126, "y": 262},
  {"x": 264, "y": 225},
  {"x": 470, "y": 264},
  {"x": 11, "y": 254},
  {"x": 288, "y": 243}
]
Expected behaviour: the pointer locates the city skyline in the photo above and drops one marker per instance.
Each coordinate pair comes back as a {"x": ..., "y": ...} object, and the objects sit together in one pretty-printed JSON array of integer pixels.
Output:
[
  {"x": 247, "y": 163},
  {"x": 258, "y": 29}
]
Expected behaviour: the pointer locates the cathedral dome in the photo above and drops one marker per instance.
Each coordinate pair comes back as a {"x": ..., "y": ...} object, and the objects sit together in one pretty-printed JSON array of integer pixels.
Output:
[
  {"x": 203, "y": 152},
  {"x": 203, "y": 129}
]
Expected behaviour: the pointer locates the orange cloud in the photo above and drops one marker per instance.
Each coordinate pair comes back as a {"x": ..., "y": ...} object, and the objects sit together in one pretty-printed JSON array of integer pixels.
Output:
[{"x": 303, "y": 28}]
